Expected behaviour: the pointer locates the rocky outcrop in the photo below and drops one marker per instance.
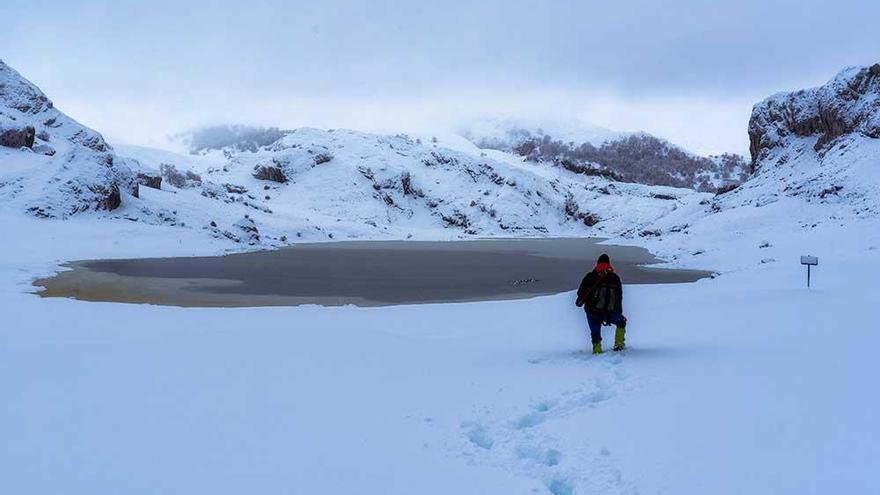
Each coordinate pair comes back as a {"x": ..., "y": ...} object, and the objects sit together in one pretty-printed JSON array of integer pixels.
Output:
[
  {"x": 248, "y": 231},
  {"x": 149, "y": 180},
  {"x": 179, "y": 179},
  {"x": 272, "y": 173},
  {"x": 848, "y": 104},
  {"x": 321, "y": 158},
  {"x": 17, "y": 136},
  {"x": 817, "y": 145},
  {"x": 78, "y": 172}
]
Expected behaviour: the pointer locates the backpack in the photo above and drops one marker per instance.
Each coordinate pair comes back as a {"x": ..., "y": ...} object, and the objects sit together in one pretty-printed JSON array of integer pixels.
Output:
[{"x": 604, "y": 296}]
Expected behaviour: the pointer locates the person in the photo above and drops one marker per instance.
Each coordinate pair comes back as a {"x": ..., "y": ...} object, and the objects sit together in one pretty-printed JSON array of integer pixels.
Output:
[{"x": 601, "y": 295}]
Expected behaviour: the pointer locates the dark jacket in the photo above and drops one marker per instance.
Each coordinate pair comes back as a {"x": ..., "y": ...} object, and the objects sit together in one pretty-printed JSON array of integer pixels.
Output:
[{"x": 596, "y": 281}]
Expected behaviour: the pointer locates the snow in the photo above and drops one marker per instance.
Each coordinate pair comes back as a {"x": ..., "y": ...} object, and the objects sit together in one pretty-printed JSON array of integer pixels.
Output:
[
  {"x": 340, "y": 184},
  {"x": 745, "y": 383},
  {"x": 451, "y": 192},
  {"x": 739, "y": 384}
]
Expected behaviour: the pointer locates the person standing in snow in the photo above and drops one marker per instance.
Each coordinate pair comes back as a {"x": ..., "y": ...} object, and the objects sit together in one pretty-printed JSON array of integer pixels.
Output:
[{"x": 601, "y": 295}]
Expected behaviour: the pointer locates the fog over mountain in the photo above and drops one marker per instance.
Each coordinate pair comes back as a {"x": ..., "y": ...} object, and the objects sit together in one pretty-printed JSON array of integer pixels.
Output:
[{"x": 683, "y": 70}]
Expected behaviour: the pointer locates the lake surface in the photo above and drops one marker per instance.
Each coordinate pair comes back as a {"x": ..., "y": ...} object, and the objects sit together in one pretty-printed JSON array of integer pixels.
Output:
[{"x": 363, "y": 273}]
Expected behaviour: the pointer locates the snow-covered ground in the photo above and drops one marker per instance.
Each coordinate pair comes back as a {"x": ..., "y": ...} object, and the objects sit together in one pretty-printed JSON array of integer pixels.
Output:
[{"x": 746, "y": 383}]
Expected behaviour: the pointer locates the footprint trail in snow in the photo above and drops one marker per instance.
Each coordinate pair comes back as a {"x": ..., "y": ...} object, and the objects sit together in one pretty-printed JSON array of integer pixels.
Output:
[{"x": 523, "y": 443}]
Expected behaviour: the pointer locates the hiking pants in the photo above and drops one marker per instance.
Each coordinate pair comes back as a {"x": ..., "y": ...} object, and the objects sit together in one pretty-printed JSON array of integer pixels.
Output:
[{"x": 595, "y": 321}]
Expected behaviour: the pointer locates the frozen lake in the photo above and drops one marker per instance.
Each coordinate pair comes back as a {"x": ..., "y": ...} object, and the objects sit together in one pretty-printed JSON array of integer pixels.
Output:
[{"x": 364, "y": 273}]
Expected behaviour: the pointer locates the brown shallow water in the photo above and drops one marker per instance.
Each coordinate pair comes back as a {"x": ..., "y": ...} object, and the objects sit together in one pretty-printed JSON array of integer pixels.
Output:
[{"x": 364, "y": 273}]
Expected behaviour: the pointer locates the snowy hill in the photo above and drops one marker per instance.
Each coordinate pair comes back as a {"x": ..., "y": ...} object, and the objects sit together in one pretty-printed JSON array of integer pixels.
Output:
[
  {"x": 635, "y": 157},
  {"x": 815, "y": 156},
  {"x": 271, "y": 187},
  {"x": 52, "y": 165},
  {"x": 815, "y": 147},
  {"x": 320, "y": 184},
  {"x": 820, "y": 144}
]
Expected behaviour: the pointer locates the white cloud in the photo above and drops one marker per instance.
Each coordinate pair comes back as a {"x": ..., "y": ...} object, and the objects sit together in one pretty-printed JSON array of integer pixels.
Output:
[{"x": 688, "y": 70}]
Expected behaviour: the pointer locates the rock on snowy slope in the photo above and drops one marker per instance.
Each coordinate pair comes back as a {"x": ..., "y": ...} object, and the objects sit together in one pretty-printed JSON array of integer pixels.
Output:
[{"x": 51, "y": 165}]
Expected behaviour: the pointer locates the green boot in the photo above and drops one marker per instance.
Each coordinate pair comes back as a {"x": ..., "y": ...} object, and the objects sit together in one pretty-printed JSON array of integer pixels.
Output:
[
  {"x": 619, "y": 336},
  {"x": 597, "y": 348}
]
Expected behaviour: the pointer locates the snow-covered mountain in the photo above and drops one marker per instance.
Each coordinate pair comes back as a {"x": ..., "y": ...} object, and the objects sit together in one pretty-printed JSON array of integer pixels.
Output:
[
  {"x": 817, "y": 147},
  {"x": 52, "y": 165},
  {"x": 636, "y": 157},
  {"x": 306, "y": 183},
  {"x": 820, "y": 144},
  {"x": 318, "y": 184},
  {"x": 816, "y": 170}
]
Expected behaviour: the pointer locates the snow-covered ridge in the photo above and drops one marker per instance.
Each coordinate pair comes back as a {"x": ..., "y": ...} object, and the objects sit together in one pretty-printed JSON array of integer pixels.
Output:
[
  {"x": 636, "y": 157},
  {"x": 321, "y": 184},
  {"x": 849, "y": 104},
  {"x": 820, "y": 144},
  {"x": 816, "y": 161},
  {"x": 309, "y": 184},
  {"x": 52, "y": 166}
]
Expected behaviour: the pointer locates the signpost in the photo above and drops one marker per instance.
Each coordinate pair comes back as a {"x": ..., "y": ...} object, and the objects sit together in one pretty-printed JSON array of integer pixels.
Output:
[{"x": 809, "y": 261}]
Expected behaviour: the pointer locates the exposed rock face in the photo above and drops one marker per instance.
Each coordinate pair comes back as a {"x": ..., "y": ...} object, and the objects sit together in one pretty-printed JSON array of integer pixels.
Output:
[
  {"x": 17, "y": 137},
  {"x": 235, "y": 188},
  {"x": 149, "y": 180},
  {"x": 179, "y": 179},
  {"x": 848, "y": 104},
  {"x": 273, "y": 173},
  {"x": 322, "y": 158},
  {"x": 78, "y": 172},
  {"x": 248, "y": 230},
  {"x": 819, "y": 145},
  {"x": 109, "y": 198}
]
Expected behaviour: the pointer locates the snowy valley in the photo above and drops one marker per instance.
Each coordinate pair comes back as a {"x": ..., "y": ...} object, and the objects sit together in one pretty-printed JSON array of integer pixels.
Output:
[{"x": 743, "y": 383}]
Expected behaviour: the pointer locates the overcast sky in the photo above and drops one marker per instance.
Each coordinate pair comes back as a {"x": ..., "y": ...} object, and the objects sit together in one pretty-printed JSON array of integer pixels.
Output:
[{"x": 686, "y": 70}]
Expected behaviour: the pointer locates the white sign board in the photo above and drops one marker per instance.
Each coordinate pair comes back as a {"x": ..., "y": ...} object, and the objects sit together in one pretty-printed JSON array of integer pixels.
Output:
[{"x": 810, "y": 260}]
